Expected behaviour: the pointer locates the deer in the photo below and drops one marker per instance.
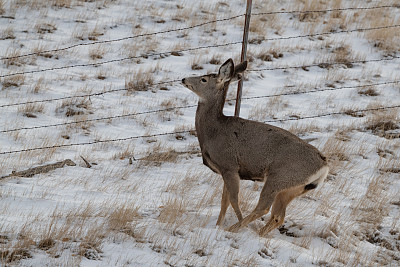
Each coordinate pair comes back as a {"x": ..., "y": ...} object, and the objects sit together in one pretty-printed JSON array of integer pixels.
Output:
[{"x": 242, "y": 149}]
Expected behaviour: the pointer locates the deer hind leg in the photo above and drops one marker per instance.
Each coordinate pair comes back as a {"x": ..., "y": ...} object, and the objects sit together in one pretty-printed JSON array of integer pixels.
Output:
[
  {"x": 278, "y": 211},
  {"x": 232, "y": 184},
  {"x": 284, "y": 197},
  {"x": 224, "y": 205}
]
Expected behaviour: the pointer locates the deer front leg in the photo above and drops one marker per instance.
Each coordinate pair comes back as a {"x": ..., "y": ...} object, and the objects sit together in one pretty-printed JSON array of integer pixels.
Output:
[
  {"x": 232, "y": 184},
  {"x": 224, "y": 205}
]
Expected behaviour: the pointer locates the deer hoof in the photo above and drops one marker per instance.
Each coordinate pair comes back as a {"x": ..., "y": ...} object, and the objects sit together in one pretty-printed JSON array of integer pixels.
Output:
[
  {"x": 266, "y": 229},
  {"x": 234, "y": 228}
]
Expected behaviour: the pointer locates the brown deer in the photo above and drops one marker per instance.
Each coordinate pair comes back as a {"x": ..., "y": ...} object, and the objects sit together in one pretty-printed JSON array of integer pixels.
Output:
[{"x": 243, "y": 149}]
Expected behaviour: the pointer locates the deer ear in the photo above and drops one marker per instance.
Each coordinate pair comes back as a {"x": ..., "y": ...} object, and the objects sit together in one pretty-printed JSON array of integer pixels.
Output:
[
  {"x": 239, "y": 69},
  {"x": 226, "y": 71}
]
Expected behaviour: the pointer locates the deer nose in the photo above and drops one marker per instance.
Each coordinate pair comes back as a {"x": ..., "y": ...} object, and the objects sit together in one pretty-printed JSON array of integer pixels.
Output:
[{"x": 183, "y": 80}]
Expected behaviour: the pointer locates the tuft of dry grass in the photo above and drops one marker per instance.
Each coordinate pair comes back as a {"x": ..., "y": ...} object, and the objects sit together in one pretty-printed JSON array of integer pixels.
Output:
[
  {"x": 14, "y": 255},
  {"x": 29, "y": 110},
  {"x": 121, "y": 216},
  {"x": 196, "y": 62},
  {"x": 216, "y": 59},
  {"x": 139, "y": 81},
  {"x": 368, "y": 91},
  {"x": 160, "y": 154},
  {"x": 172, "y": 211},
  {"x": 95, "y": 33},
  {"x": 384, "y": 124},
  {"x": 97, "y": 52},
  {"x": 310, "y": 5},
  {"x": 46, "y": 244},
  {"x": 75, "y": 107},
  {"x": 14, "y": 81},
  {"x": 39, "y": 86},
  {"x": 7, "y": 33},
  {"x": 62, "y": 3},
  {"x": 2, "y": 9},
  {"x": 14, "y": 59},
  {"x": 45, "y": 27},
  {"x": 169, "y": 109}
]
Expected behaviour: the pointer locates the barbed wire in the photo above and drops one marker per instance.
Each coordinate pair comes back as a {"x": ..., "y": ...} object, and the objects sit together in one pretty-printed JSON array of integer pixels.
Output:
[
  {"x": 333, "y": 113},
  {"x": 325, "y": 10},
  {"x": 119, "y": 60},
  {"x": 321, "y": 64},
  {"x": 188, "y": 131},
  {"x": 94, "y": 142},
  {"x": 194, "y": 105},
  {"x": 195, "y": 26},
  {"x": 123, "y": 38},
  {"x": 331, "y": 33},
  {"x": 326, "y": 64},
  {"x": 100, "y": 119},
  {"x": 178, "y": 80},
  {"x": 322, "y": 90},
  {"x": 192, "y": 49},
  {"x": 84, "y": 95}
]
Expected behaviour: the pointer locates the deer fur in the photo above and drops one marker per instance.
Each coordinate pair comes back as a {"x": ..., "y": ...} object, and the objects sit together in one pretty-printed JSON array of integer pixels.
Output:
[{"x": 239, "y": 149}]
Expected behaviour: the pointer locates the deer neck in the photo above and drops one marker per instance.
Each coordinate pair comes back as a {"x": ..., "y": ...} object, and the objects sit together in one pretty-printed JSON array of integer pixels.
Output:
[{"x": 209, "y": 113}]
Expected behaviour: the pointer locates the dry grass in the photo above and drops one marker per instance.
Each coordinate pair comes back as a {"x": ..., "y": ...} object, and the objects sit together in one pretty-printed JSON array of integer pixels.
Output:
[
  {"x": 2, "y": 9},
  {"x": 7, "y": 33},
  {"x": 196, "y": 62},
  {"x": 45, "y": 27},
  {"x": 62, "y": 3},
  {"x": 384, "y": 124},
  {"x": 14, "y": 59},
  {"x": 266, "y": 111},
  {"x": 173, "y": 211},
  {"x": 139, "y": 81},
  {"x": 13, "y": 82},
  {"x": 74, "y": 107},
  {"x": 29, "y": 110},
  {"x": 95, "y": 33},
  {"x": 384, "y": 39},
  {"x": 337, "y": 152},
  {"x": 97, "y": 52},
  {"x": 39, "y": 86},
  {"x": 119, "y": 218},
  {"x": 170, "y": 112}
]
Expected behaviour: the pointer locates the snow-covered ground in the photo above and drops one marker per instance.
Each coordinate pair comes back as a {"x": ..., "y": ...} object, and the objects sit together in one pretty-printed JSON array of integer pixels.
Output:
[{"x": 149, "y": 201}]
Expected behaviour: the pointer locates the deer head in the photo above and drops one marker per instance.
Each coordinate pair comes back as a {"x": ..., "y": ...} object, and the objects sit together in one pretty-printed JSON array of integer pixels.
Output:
[{"x": 208, "y": 87}]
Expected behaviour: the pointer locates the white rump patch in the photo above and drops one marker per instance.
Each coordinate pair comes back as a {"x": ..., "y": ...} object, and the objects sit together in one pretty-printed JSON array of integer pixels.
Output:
[{"x": 319, "y": 176}]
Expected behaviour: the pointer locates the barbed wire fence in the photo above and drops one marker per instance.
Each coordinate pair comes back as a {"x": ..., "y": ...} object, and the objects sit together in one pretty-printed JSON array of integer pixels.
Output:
[
  {"x": 199, "y": 25},
  {"x": 188, "y": 131},
  {"x": 320, "y": 64},
  {"x": 215, "y": 46},
  {"x": 195, "y": 105}
]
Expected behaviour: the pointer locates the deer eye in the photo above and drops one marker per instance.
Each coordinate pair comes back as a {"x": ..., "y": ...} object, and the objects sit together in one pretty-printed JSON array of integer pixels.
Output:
[{"x": 204, "y": 80}]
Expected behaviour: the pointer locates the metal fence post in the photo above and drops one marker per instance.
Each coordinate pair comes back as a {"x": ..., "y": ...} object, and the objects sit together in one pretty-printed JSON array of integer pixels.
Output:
[{"x": 243, "y": 56}]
